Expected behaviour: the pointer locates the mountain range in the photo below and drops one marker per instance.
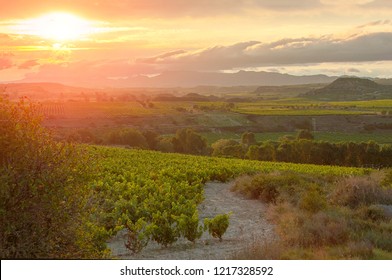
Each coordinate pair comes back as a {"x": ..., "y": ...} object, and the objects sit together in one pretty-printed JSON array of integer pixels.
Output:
[{"x": 192, "y": 79}]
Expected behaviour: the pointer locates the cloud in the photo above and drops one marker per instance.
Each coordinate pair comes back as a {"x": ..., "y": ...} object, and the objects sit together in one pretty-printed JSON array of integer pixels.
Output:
[
  {"x": 353, "y": 70},
  {"x": 28, "y": 64},
  {"x": 161, "y": 57},
  {"x": 6, "y": 61},
  {"x": 356, "y": 48},
  {"x": 90, "y": 73},
  {"x": 379, "y": 4},
  {"x": 376, "y": 23},
  {"x": 346, "y": 2}
]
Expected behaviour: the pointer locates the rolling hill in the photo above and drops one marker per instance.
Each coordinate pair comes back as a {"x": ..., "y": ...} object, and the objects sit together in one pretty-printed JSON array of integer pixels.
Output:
[{"x": 349, "y": 88}]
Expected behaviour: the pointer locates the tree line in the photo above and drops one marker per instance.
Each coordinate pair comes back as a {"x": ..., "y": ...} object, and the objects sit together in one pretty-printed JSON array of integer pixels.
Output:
[{"x": 301, "y": 148}]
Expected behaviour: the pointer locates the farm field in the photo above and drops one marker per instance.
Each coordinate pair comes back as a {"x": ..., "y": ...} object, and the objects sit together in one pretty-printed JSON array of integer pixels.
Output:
[
  {"x": 378, "y": 137},
  {"x": 302, "y": 106}
]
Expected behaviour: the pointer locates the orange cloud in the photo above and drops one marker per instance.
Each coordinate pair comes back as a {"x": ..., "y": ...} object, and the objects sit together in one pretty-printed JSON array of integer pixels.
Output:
[
  {"x": 6, "y": 61},
  {"x": 28, "y": 64}
]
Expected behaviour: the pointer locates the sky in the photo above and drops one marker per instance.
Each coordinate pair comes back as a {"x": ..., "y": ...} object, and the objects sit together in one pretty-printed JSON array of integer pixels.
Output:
[{"x": 82, "y": 41}]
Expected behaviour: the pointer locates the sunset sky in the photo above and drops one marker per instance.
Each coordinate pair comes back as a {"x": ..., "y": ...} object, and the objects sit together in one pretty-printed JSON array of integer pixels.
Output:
[{"x": 80, "y": 41}]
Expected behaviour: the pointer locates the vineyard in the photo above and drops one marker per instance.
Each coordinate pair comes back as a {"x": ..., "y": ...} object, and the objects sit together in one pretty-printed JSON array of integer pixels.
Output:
[
  {"x": 154, "y": 196},
  {"x": 51, "y": 109}
]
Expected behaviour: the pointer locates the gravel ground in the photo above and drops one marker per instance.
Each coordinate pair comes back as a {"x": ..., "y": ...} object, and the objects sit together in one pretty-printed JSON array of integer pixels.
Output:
[{"x": 247, "y": 224}]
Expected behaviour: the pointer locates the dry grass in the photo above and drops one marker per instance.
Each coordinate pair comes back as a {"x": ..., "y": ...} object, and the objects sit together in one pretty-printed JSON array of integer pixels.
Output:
[
  {"x": 316, "y": 219},
  {"x": 356, "y": 191},
  {"x": 261, "y": 250}
]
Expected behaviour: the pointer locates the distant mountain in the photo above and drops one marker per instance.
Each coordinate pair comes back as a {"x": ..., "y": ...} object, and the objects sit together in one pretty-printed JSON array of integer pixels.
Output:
[
  {"x": 349, "y": 88},
  {"x": 15, "y": 90},
  {"x": 241, "y": 78},
  {"x": 193, "y": 79}
]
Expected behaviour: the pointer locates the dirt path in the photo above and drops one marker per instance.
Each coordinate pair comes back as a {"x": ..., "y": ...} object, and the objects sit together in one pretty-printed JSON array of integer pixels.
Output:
[{"x": 247, "y": 223}]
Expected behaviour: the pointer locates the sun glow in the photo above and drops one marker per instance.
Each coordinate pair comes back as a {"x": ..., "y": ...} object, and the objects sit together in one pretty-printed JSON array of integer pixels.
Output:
[{"x": 57, "y": 26}]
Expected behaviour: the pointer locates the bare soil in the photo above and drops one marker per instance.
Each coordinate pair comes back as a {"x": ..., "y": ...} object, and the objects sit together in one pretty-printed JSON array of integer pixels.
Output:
[{"x": 247, "y": 225}]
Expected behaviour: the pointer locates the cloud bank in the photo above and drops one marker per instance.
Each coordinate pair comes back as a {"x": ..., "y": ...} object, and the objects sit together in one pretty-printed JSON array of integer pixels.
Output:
[{"x": 361, "y": 48}]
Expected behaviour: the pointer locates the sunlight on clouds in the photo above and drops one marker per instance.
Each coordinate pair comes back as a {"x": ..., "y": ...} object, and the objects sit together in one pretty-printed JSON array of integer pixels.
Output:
[
  {"x": 56, "y": 26},
  {"x": 62, "y": 27}
]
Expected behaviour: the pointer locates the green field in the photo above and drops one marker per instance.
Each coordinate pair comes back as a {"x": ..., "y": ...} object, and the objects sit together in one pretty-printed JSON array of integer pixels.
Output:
[
  {"x": 306, "y": 107},
  {"x": 380, "y": 137}
]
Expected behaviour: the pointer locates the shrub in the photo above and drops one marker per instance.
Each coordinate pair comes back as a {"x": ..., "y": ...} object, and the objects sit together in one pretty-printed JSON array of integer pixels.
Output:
[
  {"x": 269, "y": 186},
  {"x": 296, "y": 228},
  {"x": 44, "y": 200},
  {"x": 355, "y": 191},
  {"x": 313, "y": 200},
  {"x": 189, "y": 226},
  {"x": 261, "y": 250},
  {"x": 218, "y": 225},
  {"x": 137, "y": 235},
  {"x": 373, "y": 213},
  {"x": 323, "y": 229}
]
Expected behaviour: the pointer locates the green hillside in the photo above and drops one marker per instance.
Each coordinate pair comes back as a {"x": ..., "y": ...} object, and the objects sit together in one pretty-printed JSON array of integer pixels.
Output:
[{"x": 351, "y": 89}]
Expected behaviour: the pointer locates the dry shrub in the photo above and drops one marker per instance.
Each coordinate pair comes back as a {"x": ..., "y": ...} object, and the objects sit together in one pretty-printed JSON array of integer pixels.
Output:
[
  {"x": 356, "y": 191},
  {"x": 267, "y": 187},
  {"x": 243, "y": 185},
  {"x": 380, "y": 237},
  {"x": 297, "y": 228},
  {"x": 261, "y": 250},
  {"x": 288, "y": 219},
  {"x": 373, "y": 213},
  {"x": 353, "y": 250},
  {"x": 313, "y": 200},
  {"x": 323, "y": 229},
  {"x": 360, "y": 250}
]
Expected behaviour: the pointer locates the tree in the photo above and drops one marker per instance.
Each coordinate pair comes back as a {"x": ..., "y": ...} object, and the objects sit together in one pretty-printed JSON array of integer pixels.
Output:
[
  {"x": 190, "y": 142},
  {"x": 128, "y": 136},
  {"x": 305, "y": 134},
  {"x": 247, "y": 139},
  {"x": 219, "y": 146},
  {"x": 44, "y": 197},
  {"x": 151, "y": 139},
  {"x": 165, "y": 144}
]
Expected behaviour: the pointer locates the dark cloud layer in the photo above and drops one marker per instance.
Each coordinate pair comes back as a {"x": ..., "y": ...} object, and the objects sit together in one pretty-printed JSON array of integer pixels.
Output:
[{"x": 370, "y": 47}]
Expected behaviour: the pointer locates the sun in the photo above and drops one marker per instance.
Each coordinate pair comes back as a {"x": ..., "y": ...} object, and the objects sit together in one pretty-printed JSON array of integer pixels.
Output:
[{"x": 57, "y": 26}]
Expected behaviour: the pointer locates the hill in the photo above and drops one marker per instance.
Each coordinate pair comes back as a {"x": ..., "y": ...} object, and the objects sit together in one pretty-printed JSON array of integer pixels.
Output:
[
  {"x": 349, "y": 88},
  {"x": 39, "y": 90},
  {"x": 172, "y": 79}
]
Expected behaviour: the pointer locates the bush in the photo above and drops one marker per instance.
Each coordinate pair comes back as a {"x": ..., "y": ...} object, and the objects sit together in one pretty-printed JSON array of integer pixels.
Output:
[
  {"x": 261, "y": 250},
  {"x": 218, "y": 225},
  {"x": 313, "y": 200},
  {"x": 296, "y": 228},
  {"x": 356, "y": 191},
  {"x": 127, "y": 136},
  {"x": 44, "y": 198},
  {"x": 323, "y": 229},
  {"x": 268, "y": 187}
]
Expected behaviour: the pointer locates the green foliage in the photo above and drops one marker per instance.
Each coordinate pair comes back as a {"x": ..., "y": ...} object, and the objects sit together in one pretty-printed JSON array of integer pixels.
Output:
[
  {"x": 220, "y": 146},
  {"x": 128, "y": 136},
  {"x": 248, "y": 138},
  {"x": 189, "y": 226},
  {"x": 218, "y": 225},
  {"x": 313, "y": 200},
  {"x": 189, "y": 142},
  {"x": 305, "y": 134},
  {"x": 44, "y": 199},
  {"x": 137, "y": 235}
]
